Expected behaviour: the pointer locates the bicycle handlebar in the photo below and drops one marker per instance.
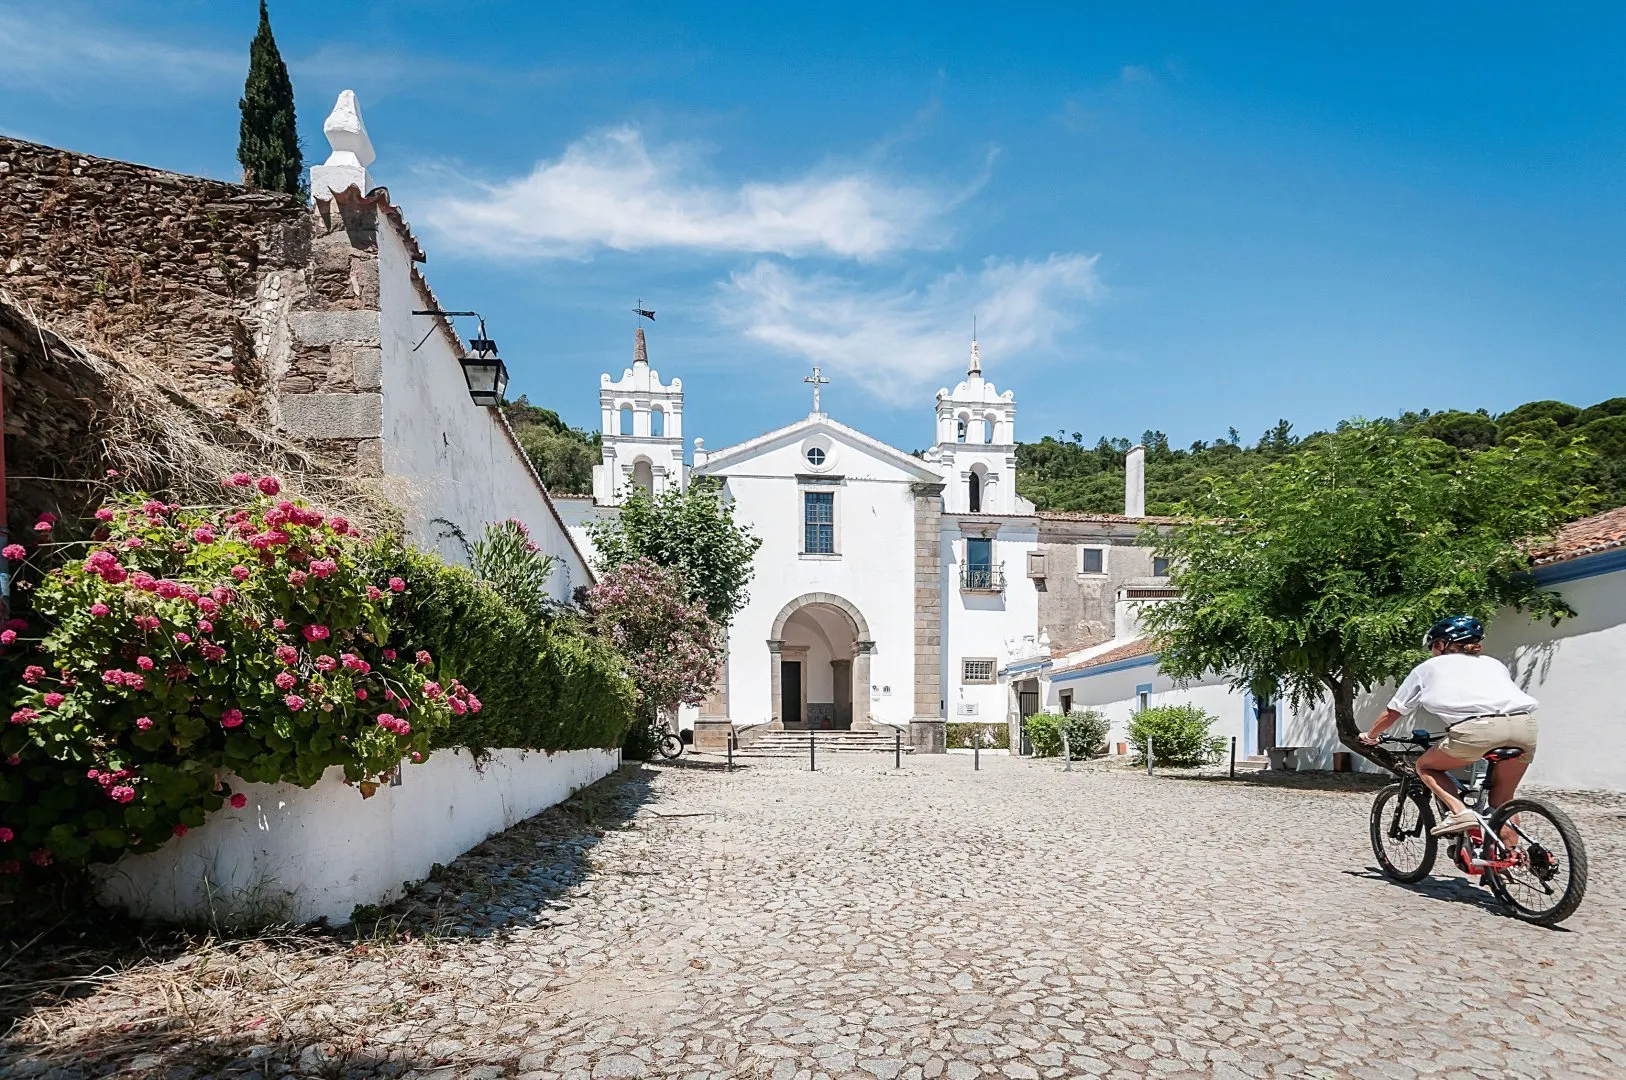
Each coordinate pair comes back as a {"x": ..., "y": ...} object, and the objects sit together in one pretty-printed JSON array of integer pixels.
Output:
[{"x": 1420, "y": 739}]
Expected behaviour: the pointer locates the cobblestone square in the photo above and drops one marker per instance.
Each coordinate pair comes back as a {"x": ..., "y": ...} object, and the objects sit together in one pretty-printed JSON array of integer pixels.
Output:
[{"x": 1016, "y": 922}]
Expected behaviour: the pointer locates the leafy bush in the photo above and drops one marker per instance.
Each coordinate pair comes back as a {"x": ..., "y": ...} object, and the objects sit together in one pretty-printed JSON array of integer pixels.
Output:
[
  {"x": 994, "y": 736},
  {"x": 1086, "y": 733},
  {"x": 1179, "y": 735},
  {"x": 180, "y": 644},
  {"x": 545, "y": 685}
]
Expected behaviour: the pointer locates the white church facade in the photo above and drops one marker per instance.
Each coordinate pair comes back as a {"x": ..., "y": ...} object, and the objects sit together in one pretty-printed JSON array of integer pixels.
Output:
[{"x": 891, "y": 591}]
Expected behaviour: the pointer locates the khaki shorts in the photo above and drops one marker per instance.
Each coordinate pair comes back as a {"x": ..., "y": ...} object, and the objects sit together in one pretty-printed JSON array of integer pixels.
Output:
[{"x": 1473, "y": 739}]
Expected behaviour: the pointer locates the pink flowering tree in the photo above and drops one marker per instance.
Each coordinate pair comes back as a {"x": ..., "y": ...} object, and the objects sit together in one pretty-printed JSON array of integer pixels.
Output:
[
  {"x": 672, "y": 647},
  {"x": 178, "y": 647}
]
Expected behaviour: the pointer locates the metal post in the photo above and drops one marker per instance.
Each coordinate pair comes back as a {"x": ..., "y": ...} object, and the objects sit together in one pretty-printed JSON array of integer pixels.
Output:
[
  {"x": 897, "y": 749},
  {"x": 1233, "y": 757},
  {"x": 1148, "y": 755},
  {"x": 1066, "y": 753},
  {"x": 976, "y": 748},
  {"x": 730, "y": 748},
  {"x": 812, "y": 756}
]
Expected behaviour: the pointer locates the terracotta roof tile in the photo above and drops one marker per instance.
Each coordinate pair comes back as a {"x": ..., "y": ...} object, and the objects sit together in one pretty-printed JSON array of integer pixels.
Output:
[
  {"x": 1105, "y": 519},
  {"x": 1140, "y": 647},
  {"x": 1601, "y": 532}
]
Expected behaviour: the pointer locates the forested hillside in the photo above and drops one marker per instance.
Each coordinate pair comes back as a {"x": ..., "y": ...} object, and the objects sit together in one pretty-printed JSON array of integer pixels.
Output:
[
  {"x": 1061, "y": 472},
  {"x": 563, "y": 455}
]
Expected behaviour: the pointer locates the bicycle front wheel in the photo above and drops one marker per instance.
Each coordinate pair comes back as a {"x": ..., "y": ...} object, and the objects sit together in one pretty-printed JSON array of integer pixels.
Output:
[
  {"x": 1547, "y": 880},
  {"x": 1400, "y": 833},
  {"x": 670, "y": 745}
]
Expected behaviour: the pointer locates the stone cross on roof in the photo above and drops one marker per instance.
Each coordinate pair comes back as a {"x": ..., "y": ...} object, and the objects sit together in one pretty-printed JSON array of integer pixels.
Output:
[
  {"x": 818, "y": 380},
  {"x": 352, "y": 150}
]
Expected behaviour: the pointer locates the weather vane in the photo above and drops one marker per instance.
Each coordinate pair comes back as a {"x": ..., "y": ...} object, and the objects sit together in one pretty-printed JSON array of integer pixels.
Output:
[{"x": 638, "y": 309}]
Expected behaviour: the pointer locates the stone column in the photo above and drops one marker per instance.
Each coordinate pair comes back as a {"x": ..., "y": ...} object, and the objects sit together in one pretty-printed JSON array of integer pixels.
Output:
[
  {"x": 862, "y": 720},
  {"x": 712, "y": 726},
  {"x": 776, "y": 689},
  {"x": 928, "y": 732}
]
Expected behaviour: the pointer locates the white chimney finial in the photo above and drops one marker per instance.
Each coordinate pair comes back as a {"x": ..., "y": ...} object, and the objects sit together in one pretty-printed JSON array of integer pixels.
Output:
[{"x": 352, "y": 150}]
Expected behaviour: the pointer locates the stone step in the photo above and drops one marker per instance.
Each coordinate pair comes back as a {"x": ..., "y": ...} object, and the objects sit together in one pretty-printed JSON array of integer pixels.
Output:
[{"x": 794, "y": 743}]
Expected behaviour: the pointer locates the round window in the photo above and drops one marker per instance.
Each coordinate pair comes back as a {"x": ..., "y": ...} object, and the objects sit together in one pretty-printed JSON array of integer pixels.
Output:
[{"x": 815, "y": 456}]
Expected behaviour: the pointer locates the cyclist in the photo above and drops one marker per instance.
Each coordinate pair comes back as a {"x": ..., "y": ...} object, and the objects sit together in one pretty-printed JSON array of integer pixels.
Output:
[{"x": 1482, "y": 707}]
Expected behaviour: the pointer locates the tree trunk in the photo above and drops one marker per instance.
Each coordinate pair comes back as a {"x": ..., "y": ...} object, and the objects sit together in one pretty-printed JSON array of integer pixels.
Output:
[{"x": 1343, "y": 711}]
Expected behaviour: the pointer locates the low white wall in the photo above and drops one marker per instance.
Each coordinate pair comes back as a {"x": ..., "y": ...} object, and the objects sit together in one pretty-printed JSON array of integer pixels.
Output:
[{"x": 297, "y": 854}]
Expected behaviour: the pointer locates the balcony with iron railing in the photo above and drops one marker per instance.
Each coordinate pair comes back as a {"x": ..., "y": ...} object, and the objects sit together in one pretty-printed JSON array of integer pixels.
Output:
[{"x": 976, "y": 578}]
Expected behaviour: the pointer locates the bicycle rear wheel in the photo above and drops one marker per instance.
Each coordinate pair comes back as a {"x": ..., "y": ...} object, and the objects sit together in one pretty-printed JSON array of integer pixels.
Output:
[
  {"x": 669, "y": 744},
  {"x": 1400, "y": 833},
  {"x": 1548, "y": 880}
]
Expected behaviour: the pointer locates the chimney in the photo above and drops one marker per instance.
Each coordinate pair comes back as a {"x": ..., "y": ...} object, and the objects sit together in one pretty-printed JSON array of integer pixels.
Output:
[{"x": 1135, "y": 482}]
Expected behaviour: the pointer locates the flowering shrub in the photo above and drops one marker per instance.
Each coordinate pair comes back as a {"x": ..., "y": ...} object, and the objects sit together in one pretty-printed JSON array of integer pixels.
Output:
[
  {"x": 546, "y": 683},
  {"x": 181, "y": 644},
  {"x": 673, "y": 648}
]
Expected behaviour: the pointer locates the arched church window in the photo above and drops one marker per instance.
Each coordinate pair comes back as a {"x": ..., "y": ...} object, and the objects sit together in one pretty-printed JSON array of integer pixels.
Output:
[
  {"x": 959, "y": 430},
  {"x": 625, "y": 427},
  {"x": 644, "y": 475},
  {"x": 974, "y": 491},
  {"x": 657, "y": 422}
]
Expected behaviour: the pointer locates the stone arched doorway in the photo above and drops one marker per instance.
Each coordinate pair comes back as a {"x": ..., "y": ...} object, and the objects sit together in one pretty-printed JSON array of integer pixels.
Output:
[{"x": 819, "y": 665}]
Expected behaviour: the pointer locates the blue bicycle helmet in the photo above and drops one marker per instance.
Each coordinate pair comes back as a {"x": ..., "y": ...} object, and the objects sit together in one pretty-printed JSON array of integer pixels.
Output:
[{"x": 1455, "y": 630}]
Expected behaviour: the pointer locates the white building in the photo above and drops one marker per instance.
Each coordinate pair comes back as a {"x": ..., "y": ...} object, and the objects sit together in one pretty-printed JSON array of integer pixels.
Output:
[{"x": 890, "y": 590}]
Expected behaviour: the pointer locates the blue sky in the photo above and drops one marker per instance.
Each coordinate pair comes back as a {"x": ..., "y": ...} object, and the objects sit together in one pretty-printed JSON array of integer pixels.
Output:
[{"x": 1174, "y": 216}]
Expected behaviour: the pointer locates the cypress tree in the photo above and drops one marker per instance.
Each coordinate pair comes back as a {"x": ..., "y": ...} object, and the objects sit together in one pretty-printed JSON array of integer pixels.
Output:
[{"x": 268, "y": 141}]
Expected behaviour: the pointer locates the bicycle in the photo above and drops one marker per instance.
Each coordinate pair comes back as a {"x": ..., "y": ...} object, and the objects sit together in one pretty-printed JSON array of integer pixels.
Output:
[
  {"x": 1540, "y": 877},
  {"x": 668, "y": 743}
]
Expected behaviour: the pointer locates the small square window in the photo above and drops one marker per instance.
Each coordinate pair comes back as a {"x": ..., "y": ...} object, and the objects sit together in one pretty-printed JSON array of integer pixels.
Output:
[
  {"x": 1092, "y": 560},
  {"x": 977, "y": 670},
  {"x": 1160, "y": 567}
]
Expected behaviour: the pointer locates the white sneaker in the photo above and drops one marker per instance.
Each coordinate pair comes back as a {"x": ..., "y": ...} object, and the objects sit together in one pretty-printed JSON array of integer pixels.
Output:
[{"x": 1461, "y": 821}]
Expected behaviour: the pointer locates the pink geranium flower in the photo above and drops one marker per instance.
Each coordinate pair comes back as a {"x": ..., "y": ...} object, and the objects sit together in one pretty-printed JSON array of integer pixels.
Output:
[
  {"x": 374, "y": 593},
  {"x": 315, "y": 632},
  {"x": 296, "y": 578},
  {"x": 238, "y": 479},
  {"x": 397, "y": 585},
  {"x": 239, "y": 801},
  {"x": 231, "y": 718},
  {"x": 287, "y": 654},
  {"x": 389, "y": 654},
  {"x": 143, "y": 723},
  {"x": 6, "y": 835},
  {"x": 423, "y": 656},
  {"x": 180, "y": 830},
  {"x": 14, "y": 552},
  {"x": 203, "y": 534},
  {"x": 285, "y": 680},
  {"x": 123, "y": 793},
  {"x": 100, "y": 610},
  {"x": 269, "y": 485},
  {"x": 241, "y": 573},
  {"x": 169, "y": 590},
  {"x": 7, "y": 636},
  {"x": 53, "y": 699},
  {"x": 33, "y": 673},
  {"x": 104, "y": 514},
  {"x": 361, "y": 695},
  {"x": 294, "y": 702},
  {"x": 144, "y": 663}
]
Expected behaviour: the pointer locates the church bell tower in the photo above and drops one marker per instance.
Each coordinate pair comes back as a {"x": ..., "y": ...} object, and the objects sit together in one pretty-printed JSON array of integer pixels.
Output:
[
  {"x": 976, "y": 444},
  {"x": 641, "y": 421}
]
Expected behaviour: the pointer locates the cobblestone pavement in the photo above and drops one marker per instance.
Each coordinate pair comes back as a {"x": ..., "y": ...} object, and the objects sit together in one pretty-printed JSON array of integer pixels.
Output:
[{"x": 1017, "y": 922}]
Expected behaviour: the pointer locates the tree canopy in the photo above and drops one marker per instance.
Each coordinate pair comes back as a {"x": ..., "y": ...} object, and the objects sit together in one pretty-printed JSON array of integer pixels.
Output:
[
  {"x": 1316, "y": 575},
  {"x": 1062, "y": 472},
  {"x": 563, "y": 456},
  {"x": 693, "y": 530},
  {"x": 268, "y": 137}
]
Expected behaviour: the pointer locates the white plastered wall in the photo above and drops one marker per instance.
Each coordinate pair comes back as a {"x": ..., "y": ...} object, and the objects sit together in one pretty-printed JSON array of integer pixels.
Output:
[
  {"x": 456, "y": 459},
  {"x": 874, "y": 571},
  {"x": 986, "y": 625}
]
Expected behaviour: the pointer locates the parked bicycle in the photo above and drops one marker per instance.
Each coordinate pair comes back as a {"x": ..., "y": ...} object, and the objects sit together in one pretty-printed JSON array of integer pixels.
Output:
[
  {"x": 1527, "y": 851},
  {"x": 668, "y": 742}
]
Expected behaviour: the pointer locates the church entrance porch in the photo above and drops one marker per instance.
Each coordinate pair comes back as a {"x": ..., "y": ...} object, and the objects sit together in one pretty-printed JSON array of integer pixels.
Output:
[{"x": 819, "y": 657}]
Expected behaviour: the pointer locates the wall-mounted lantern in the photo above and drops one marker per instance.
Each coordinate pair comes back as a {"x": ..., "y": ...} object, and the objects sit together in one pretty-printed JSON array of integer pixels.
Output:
[{"x": 483, "y": 370}]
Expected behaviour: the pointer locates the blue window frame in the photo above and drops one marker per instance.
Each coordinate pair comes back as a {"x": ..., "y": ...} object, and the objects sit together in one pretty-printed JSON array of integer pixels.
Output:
[
  {"x": 979, "y": 553},
  {"x": 819, "y": 522}
]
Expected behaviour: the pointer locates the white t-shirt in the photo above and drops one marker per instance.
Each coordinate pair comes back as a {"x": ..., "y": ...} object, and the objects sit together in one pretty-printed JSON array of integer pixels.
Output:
[{"x": 1460, "y": 686}]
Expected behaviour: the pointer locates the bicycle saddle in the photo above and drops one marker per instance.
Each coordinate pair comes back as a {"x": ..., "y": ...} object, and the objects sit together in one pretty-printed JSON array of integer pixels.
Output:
[{"x": 1504, "y": 753}]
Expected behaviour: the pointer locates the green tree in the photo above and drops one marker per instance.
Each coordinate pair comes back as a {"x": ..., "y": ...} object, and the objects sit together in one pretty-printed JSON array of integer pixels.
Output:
[
  {"x": 1317, "y": 576},
  {"x": 563, "y": 456},
  {"x": 1463, "y": 430},
  {"x": 268, "y": 139},
  {"x": 692, "y": 530},
  {"x": 1558, "y": 412}
]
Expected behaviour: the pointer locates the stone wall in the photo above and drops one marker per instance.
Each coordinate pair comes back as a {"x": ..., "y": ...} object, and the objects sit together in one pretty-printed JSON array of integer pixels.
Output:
[
  {"x": 926, "y": 730},
  {"x": 132, "y": 259},
  {"x": 1077, "y": 609}
]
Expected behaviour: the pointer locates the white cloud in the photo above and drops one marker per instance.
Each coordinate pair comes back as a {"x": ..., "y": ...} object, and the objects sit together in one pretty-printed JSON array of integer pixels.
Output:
[
  {"x": 61, "y": 53},
  {"x": 903, "y": 342},
  {"x": 611, "y": 190}
]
